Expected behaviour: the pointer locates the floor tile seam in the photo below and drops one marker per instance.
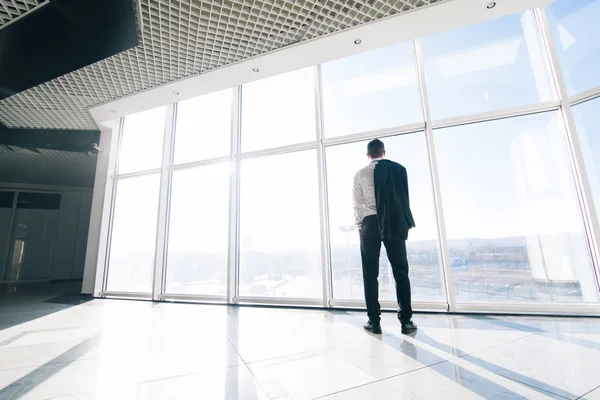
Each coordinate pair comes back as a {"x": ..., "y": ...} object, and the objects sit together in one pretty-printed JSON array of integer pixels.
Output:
[
  {"x": 381, "y": 380},
  {"x": 377, "y": 380},
  {"x": 138, "y": 381},
  {"x": 248, "y": 367},
  {"x": 89, "y": 392},
  {"x": 454, "y": 359},
  {"x": 39, "y": 344},
  {"x": 28, "y": 312},
  {"x": 72, "y": 394},
  {"x": 496, "y": 345},
  {"x": 451, "y": 356},
  {"x": 22, "y": 334},
  {"x": 166, "y": 378},
  {"x": 33, "y": 366},
  {"x": 358, "y": 387},
  {"x": 259, "y": 383},
  {"x": 464, "y": 357},
  {"x": 49, "y": 363},
  {"x": 321, "y": 351},
  {"x": 308, "y": 355},
  {"x": 585, "y": 394},
  {"x": 532, "y": 386},
  {"x": 236, "y": 350},
  {"x": 17, "y": 395}
]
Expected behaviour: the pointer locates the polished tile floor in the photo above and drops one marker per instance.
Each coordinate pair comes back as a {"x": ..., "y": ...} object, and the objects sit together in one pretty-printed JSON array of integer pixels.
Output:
[{"x": 127, "y": 350}]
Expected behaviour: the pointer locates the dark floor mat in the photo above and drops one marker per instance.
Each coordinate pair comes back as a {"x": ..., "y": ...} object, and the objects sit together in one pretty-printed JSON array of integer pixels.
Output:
[{"x": 71, "y": 299}]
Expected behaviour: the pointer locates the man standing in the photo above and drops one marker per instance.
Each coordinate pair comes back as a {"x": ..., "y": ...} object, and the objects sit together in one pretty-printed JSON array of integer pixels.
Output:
[{"x": 382, "y": 213}]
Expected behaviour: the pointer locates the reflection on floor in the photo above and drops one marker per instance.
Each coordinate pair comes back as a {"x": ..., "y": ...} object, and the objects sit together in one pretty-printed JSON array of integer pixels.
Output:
[{"x": 126, "y": 350}]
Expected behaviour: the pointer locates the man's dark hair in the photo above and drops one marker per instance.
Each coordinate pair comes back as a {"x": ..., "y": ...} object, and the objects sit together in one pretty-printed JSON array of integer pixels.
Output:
[{"x": 375, "y": 148}]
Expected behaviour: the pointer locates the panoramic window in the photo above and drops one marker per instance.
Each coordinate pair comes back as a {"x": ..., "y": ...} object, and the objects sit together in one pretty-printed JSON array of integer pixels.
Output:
[
  {"x": 485, "y": 67},
  {"x": 280, "y": 251},
  {"x": 142, "y": 141},
  {"x": 587, "y": 120},
  {"x": 371, "y": 91},
  {"x": 203, "y": 127},
  {"x": 343, "y": 162},
  {"x": 279, "y": 111},
  {"x": 133, "y": 239},
  {"x": 513, "y": 220},
  {"x": 576, "y": 34},
  {"x": 512, "y": 211},
  {"x": 198, "y": 231}
]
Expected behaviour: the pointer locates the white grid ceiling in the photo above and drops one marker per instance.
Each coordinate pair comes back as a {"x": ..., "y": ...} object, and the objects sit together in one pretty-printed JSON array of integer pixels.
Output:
[
  {"x": 183, "y": 38},
  {"x": 11, "y": 9}
]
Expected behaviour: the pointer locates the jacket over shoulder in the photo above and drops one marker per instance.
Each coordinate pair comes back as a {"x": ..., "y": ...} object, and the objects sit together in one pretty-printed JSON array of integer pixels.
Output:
[{"x": 393, "y": 205}]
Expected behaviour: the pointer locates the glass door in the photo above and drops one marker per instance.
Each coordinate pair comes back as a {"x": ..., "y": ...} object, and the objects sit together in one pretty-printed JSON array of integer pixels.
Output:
[
  {"x": 32, "y": 237},
  {"x": 6, "y": 206}
]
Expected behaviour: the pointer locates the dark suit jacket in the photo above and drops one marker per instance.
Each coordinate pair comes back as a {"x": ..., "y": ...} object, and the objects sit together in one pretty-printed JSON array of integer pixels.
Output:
[{"x": 392, "y": 199}]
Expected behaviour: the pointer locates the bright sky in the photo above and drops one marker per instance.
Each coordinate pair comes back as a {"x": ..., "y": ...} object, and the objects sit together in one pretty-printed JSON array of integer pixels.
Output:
[
  {"x": 203, "y": 127},
  {"x": 587, "y": 120},
  {"x": 576, "y": 32}
]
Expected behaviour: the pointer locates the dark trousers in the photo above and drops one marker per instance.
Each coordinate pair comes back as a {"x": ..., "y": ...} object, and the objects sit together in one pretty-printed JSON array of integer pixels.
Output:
[{"x": 370, "y": 248}]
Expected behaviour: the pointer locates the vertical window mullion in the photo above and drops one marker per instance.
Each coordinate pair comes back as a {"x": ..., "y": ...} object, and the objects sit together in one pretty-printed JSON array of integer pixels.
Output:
[
  {"x": 163, "y": 206},
  {"x": 435, "y": 179}
]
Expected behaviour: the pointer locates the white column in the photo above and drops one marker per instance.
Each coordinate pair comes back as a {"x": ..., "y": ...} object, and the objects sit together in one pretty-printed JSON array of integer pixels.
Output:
[
  {"x": 323, "y": 214},
  {"x": 93, "y": 273},
  {"x": 234, "y": 199}
]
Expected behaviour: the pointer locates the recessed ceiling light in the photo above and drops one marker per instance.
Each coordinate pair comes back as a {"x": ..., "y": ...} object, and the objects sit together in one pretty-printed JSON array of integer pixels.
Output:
[
  {"x": 255, "y": 69},
  {"x": 357, "y": 41},
  {"x": 491, "y": 5}
]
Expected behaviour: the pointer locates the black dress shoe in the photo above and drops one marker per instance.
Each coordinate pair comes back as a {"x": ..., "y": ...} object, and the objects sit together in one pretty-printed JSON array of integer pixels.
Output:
[
  {"x": 373, "y": 328},
  {"x": 408, "y": 327}
]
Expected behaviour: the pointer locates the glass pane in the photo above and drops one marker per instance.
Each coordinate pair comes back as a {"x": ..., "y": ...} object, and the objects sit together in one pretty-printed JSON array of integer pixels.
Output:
[
  {"x": 489, "y": 66},
  {"x": 34, "y": 230},
  {"x": 278, "y": 111},
  {"x": 6, "y": 199},
  {"x": 203, "y": 127},
  {"x": 6, "y": 203},
  {"x": 142, "y": 141},
  {"x": 371, "y": 91},
  {"x": 280, "y": 253},
  {"x": 576, "y": 34},
  {"x": 198, "y": 231},
  {"x": 587, "y": 120},
  {"x": 422, "y": 247},
  {"x": 133, "y": 240},
  {"x": 513, "y": 220},
  {"x": 39, "y": 201}
]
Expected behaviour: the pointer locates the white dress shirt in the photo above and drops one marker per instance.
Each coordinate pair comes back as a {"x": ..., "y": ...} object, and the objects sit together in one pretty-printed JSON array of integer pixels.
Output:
[{"x": 363, "y": 193}]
